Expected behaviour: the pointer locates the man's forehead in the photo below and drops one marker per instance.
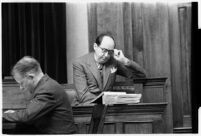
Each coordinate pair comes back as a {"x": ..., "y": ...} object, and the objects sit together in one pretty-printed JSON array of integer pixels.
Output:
[{"x": 107, "y": 43}]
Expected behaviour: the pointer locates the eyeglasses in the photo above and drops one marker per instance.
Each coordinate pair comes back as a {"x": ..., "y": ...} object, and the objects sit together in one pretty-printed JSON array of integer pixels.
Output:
[{"x": 110, "y": 52}]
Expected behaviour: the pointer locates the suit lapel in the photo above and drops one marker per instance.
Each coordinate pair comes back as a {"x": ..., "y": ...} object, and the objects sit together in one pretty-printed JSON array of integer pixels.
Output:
[
  {"x": 93, "y": 68},
  {"x": 106, "y": 74}
]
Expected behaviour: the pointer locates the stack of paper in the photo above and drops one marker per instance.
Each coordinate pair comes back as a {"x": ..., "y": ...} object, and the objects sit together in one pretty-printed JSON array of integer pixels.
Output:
[
  {"x": 120, "y": 98},
  {"x": 117, "y": 98}
]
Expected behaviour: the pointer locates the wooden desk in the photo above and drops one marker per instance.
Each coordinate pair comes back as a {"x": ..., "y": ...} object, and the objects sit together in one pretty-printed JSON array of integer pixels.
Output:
[
  {"x": 125, "y": 119},
  {"x": 120, "y": 119}
]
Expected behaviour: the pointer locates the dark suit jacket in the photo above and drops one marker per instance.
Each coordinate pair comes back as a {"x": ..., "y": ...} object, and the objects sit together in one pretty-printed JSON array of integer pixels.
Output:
[
  {"x": 49, "y": 110},
  {"x": 87, "y": 79}
]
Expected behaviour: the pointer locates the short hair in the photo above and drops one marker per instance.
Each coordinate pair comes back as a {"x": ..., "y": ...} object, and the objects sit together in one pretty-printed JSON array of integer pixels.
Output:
[
  {"x": 26, "y": 64},
  {"x": 100, "y": 37}
]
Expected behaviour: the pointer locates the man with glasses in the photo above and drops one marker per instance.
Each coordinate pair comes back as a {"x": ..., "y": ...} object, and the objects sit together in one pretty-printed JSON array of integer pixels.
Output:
[
  {"x": 49, "y": 110},
  {"x": 96, "y": 72}
]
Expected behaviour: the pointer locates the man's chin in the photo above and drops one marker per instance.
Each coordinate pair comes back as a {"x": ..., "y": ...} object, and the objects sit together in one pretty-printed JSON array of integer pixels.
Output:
[{"x": 103, "y": 61}]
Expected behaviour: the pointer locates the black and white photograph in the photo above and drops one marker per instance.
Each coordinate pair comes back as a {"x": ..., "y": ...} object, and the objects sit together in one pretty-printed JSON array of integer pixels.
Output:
[{"x": 99, "y": 67}]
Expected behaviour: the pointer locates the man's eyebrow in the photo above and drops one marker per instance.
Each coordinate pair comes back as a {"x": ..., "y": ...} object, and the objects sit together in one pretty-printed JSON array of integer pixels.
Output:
[{"x": 109, "y": 49}]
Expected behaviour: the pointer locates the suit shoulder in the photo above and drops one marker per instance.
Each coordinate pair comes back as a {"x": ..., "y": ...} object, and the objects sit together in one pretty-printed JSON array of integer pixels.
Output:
[
  {"x": 50, "y": 86},
  {"x": 82, "y": 59}
]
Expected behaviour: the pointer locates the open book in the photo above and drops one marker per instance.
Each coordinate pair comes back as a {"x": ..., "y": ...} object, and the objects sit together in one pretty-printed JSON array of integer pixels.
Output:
[{"x": 117, "y": 98}]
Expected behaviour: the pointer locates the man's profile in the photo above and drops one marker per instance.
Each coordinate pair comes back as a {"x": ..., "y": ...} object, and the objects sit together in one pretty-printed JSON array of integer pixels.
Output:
[
  {"x": 49, "y": 110},
  {"x": 96, "y": 71}
]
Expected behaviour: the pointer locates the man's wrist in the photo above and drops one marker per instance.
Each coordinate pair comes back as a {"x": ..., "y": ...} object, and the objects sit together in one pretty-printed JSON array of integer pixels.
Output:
[{"x": 126, "y": 62}]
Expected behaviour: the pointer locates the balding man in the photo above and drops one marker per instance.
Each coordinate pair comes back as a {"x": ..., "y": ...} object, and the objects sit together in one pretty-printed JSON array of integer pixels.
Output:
[
  {"x": 49, "y": 110},
  {"x": 96, "y": 71}
]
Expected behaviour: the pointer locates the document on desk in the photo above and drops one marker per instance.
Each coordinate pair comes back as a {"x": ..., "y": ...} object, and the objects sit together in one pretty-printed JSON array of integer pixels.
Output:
[{"x": 117, "y": 98}]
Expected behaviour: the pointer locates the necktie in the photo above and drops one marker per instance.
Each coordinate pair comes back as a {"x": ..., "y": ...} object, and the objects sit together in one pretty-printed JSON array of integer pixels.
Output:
[{"x": 100, "y": 68}]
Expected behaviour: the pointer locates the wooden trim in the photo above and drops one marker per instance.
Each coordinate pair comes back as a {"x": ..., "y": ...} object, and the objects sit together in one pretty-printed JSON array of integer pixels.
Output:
[
  {"x": 151, "y": 81},
  {"x": 124, "y": 108}
]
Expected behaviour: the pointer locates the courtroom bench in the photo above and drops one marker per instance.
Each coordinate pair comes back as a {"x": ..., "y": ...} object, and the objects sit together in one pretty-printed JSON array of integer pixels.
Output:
[{"x": 146, "y": 117}]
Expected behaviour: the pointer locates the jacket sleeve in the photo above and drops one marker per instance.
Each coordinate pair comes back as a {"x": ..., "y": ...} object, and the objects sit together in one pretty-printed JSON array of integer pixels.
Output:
[
  {"x": 80, "y": 81},
  {"x": 40, "y": 105},
  {"x": 131, "y": 70}
]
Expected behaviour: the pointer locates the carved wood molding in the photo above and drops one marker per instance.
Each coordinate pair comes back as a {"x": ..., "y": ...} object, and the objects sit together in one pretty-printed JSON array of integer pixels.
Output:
[
  {"x": 124, "y": 108},
  {"x": 151, "y": 81}
]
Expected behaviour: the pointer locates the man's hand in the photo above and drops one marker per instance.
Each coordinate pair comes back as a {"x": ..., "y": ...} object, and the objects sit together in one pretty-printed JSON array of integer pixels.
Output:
[
  {"x": 9, "y": 111},
  {"x": 119, "y": 56}
]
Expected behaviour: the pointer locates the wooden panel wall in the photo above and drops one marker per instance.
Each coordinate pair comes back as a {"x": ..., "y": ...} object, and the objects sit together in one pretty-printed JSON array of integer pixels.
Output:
[
  {"x": 92, "y": 24},
  {"x": 156, "y": 46},
  {"x": 180, "y": 47},
  {"x": 175, "y": 65},
  {"x": 137, "y": 31},
  {"x": 184, "y": 12},
  {"x": 157, "y": 36}
]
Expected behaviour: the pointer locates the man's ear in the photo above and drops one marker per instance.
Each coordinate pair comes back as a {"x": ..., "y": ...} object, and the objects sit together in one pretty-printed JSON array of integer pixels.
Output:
[{"x": 95, "y": 46}]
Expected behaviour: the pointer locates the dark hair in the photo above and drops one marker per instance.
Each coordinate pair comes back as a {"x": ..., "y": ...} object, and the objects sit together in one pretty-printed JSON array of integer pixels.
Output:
[
  {"x": 26, "y": 64},
  {"x": 99, "y": 38}
]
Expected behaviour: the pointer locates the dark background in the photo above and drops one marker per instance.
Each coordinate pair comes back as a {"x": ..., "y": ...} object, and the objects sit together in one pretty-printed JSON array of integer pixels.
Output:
[{"x": 38, "y": 30}]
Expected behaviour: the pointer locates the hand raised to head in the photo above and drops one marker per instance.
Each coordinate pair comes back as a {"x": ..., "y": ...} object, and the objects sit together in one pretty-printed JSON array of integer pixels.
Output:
[{"x": 119, "y": 56}]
